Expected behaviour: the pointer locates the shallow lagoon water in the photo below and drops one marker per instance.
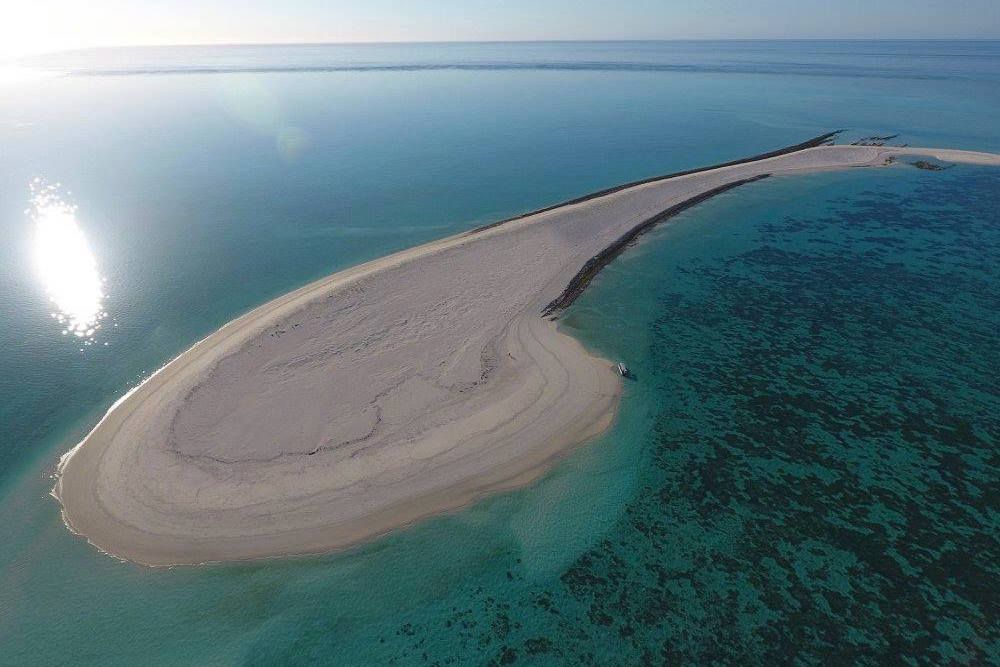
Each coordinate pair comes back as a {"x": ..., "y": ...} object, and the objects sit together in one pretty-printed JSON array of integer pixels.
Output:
[{"x": 804, "y": 463}]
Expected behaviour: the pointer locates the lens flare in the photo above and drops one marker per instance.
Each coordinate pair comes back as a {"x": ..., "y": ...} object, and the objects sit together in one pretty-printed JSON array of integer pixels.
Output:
[{"x": 65, "y": 264}]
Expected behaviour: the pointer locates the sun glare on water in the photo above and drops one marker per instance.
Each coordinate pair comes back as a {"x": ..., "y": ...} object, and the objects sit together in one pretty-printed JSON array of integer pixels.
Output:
[
  {"x": 14, "y": 75},
  {"x": 65, "y": 263}
]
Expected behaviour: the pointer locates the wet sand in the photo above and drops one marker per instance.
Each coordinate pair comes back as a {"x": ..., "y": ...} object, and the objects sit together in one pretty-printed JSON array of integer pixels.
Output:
[{"x": 392, "y": 391}]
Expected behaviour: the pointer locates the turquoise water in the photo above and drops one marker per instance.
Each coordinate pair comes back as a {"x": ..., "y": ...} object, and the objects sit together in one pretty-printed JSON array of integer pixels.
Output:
[{"x": 806, "y": 465}]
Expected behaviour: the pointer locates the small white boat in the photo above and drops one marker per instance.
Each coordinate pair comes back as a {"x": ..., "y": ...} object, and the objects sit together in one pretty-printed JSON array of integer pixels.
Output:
[{"x": 622, "y": 370}]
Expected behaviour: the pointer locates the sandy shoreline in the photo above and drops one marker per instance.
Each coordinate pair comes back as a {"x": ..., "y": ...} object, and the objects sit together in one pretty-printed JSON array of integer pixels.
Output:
[{"x": 383, "y": 394}]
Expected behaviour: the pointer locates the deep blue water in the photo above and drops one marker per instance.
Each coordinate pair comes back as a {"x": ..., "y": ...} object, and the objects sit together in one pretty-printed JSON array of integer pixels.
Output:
[{"x": 805, "y": 469}]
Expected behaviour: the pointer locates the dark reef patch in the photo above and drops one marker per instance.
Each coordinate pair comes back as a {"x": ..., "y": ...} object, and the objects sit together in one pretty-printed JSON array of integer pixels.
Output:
[{"x": 929, "y": 166}]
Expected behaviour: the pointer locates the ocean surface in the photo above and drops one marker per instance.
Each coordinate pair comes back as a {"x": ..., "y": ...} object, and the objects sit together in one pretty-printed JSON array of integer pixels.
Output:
[{"x": 804, "y": 470}]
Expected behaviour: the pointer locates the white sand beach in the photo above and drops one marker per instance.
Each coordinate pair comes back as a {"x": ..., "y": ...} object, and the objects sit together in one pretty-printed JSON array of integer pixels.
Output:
[{"x": 395, "y": 390}]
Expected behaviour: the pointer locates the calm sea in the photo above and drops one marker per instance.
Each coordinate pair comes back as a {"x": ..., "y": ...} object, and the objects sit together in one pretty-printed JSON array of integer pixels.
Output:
[{"x": 805, "y": 466}]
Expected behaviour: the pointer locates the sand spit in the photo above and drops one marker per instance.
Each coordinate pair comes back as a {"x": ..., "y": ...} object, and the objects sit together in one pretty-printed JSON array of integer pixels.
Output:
[{"x": 392, "y": 391}]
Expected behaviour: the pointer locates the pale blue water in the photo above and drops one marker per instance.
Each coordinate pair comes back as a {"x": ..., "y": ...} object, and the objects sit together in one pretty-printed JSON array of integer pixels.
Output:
[{"x": 806, "y": 465}]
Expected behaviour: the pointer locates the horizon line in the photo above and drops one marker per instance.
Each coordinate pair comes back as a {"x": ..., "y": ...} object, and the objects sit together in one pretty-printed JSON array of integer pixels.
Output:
[{"x": 506, "y": 41}]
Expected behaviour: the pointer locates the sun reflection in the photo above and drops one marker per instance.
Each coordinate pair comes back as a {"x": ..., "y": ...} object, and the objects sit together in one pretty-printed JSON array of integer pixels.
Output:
[{"x": 64, "y": 262}]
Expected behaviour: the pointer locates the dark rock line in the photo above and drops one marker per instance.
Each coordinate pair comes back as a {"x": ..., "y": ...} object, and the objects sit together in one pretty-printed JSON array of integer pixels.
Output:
[
  {"x": 822, "y": 140},
  {"x": 594, "y": 265}
]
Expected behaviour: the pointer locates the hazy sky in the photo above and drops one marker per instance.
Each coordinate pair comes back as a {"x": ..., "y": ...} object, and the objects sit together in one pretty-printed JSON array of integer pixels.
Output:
[{"x": 33, "y": 26}]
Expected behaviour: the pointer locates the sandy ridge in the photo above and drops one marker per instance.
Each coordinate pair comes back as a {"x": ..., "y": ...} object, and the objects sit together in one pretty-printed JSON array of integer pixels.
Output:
[{"x": 380, "y": 395}]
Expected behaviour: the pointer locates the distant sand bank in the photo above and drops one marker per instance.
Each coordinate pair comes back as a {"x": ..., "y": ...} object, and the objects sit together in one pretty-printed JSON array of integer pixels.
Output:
[{"x": 392, "y": 391}]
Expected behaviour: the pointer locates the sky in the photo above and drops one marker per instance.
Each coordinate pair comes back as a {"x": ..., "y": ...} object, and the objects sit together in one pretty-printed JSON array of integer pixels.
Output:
[{"x": 39, "y": 26}]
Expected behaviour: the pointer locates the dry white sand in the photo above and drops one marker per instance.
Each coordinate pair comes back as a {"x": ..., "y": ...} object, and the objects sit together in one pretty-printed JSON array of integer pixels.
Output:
[{"x": 395, "y": 390}]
